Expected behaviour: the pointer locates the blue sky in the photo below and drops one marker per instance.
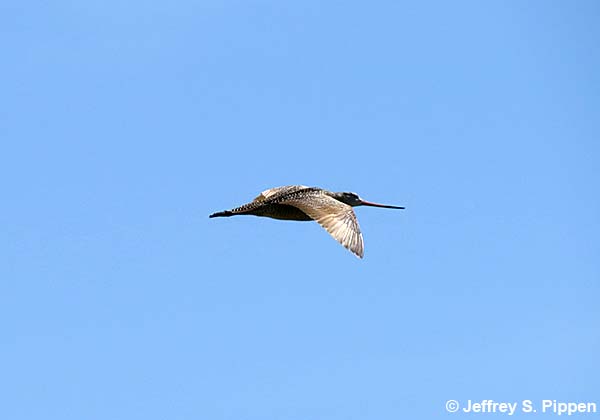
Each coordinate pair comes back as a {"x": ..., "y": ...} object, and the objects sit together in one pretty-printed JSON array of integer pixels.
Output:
[{"x": 125, "y": 124}]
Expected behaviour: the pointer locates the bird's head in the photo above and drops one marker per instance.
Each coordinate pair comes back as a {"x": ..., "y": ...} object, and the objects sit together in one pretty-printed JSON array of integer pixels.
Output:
[{"x": 354, "y": 200}]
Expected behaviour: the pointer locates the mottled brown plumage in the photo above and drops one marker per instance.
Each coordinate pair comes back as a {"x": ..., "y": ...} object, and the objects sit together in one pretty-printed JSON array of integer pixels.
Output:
[{"x": 332, "y": 210}]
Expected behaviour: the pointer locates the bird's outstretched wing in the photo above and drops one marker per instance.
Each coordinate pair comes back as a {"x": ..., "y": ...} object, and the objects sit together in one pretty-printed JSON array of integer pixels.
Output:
[{"x": 336, "y": 217}]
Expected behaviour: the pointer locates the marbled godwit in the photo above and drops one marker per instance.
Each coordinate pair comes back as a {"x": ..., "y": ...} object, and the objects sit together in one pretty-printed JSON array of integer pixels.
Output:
[{"x": 332, "y": 210}]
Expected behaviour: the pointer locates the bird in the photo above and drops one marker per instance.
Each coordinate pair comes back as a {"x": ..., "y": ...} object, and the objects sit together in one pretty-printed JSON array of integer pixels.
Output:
[{"x": 332, "y": 210}]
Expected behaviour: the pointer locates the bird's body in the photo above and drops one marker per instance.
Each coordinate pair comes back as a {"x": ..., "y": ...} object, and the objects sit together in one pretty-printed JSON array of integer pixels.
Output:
[
  {"x": 272, "y": 203},
  {"x": 331, "y": 210}
]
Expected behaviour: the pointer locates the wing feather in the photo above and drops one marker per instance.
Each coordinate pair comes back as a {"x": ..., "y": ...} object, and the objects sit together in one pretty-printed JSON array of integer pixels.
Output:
[{"x": 273, "y": 191}]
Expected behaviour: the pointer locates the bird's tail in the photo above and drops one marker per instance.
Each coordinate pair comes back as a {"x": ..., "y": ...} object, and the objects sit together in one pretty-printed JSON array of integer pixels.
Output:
[{"x": 225, "y": 213}]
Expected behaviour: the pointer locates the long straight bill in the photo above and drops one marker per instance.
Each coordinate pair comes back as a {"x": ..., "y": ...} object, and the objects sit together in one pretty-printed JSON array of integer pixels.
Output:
[{"x": 385, "y": 206}]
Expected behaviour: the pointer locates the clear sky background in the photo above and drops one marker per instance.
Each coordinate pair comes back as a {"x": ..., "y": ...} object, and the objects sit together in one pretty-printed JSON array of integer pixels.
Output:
[{"x": 125, "y": 124}]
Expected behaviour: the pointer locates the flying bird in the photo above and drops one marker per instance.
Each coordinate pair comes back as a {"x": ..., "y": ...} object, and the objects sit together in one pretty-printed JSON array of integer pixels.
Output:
[{"x": 332, "y": 210}]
